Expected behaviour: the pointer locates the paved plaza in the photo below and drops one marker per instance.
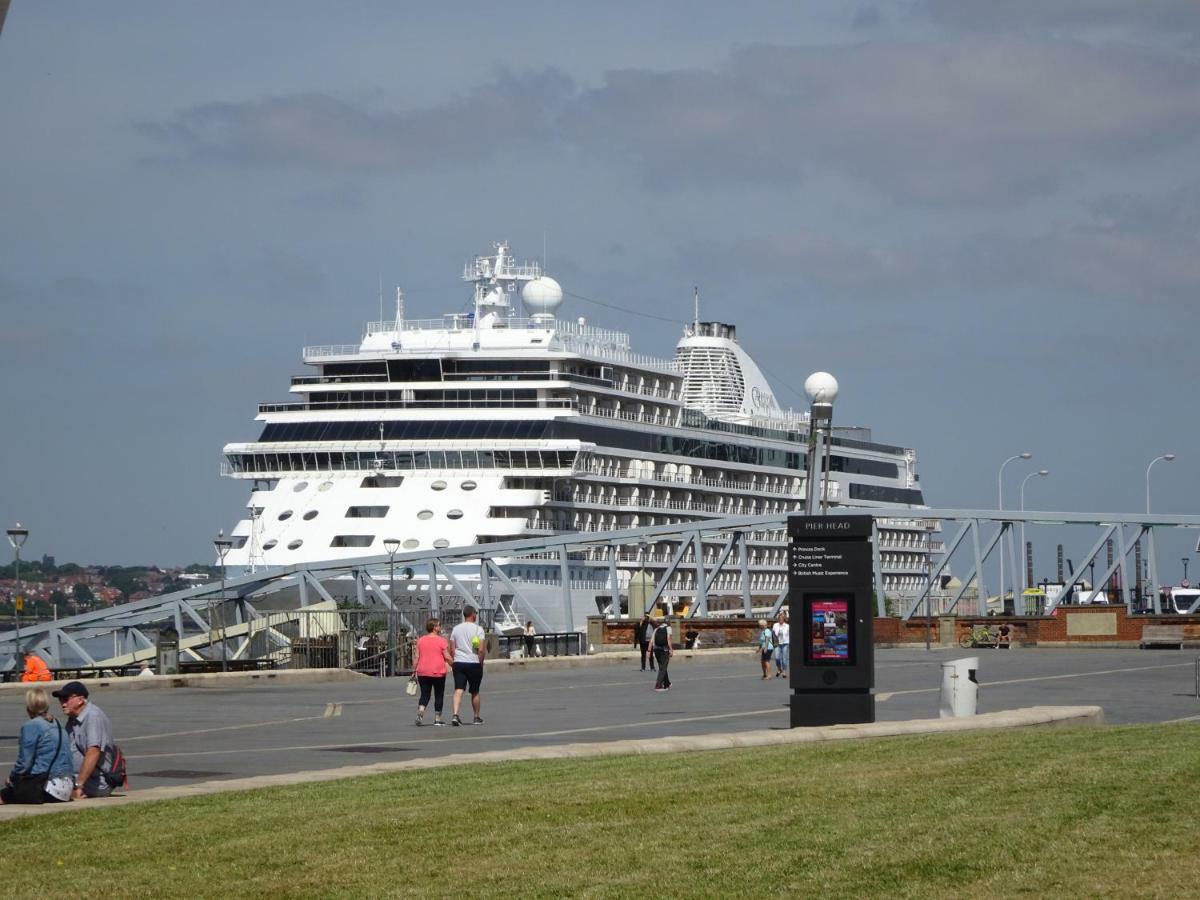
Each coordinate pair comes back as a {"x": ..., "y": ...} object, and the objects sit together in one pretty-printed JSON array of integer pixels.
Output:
[{"x": 189, "y": 735}]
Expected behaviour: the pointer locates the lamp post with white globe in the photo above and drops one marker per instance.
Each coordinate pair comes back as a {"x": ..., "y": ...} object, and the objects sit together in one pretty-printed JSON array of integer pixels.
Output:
[
  {"x": 822, "y": 390},
  {"x": 16, "y": 536}
]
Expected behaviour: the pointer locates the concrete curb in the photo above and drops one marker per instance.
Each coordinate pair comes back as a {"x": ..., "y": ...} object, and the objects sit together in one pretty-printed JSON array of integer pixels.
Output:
[
  {"x": 273, "y": 677},
  {"x": 1018, "y": 718}
]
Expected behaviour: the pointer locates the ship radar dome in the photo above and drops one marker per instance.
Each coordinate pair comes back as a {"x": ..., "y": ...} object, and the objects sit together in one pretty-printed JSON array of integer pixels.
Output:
[
  {"x": 542, "y": 297},
  {"x": 821, "y": 387}
]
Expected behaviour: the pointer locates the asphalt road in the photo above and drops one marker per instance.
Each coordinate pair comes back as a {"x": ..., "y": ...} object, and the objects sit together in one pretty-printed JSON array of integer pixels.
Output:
[{"x": 205, "y": 734}]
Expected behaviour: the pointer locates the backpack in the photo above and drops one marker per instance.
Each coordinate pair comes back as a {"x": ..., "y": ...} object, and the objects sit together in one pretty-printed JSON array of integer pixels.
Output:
[
  {"x": 660, "y": 637},
  {"x": 116, "y": 776}
]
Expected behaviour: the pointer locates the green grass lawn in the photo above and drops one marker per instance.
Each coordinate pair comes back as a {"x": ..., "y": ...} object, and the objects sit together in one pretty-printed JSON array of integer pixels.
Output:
[{"x": 1056, "y": 812}]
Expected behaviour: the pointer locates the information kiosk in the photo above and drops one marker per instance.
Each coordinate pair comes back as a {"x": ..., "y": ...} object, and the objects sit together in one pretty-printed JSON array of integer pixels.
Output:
[{"x": 830, "y": 609}]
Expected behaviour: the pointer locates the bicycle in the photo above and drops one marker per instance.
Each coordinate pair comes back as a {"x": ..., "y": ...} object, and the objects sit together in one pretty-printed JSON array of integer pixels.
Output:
[{"x": 979, "y": 636}]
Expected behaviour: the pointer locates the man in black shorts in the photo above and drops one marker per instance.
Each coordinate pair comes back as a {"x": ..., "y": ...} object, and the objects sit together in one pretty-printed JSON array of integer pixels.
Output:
[{"x": 470, "y": 648}]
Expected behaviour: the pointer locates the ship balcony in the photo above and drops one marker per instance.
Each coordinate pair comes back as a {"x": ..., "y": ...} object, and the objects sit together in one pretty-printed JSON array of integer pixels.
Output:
[
  {"x": 690, "y": 506},
  {"x": 628, "y": 476}
]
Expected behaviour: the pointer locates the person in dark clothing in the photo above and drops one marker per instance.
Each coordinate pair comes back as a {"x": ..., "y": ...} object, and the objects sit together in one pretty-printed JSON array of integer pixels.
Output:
[
  {"x": 642, "y": 632},
  {"x": 662, "y": 653}
]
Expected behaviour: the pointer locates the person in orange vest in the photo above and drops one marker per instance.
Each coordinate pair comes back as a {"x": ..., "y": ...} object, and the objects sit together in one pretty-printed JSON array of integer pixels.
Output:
[{"x": 35, "y": 668}]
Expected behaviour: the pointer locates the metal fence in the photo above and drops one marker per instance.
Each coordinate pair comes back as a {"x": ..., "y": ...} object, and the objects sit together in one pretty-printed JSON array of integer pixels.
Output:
[{"x": 381, "y": 642}]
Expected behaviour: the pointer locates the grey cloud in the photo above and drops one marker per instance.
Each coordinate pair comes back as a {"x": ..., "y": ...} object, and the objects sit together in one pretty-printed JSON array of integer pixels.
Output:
[
  {"x": 320, "y": 131},
  {"x": 1128, "y": 250},
  {"x": 1173, "y": 17},
  {"x": 977, "y": 121},
  {"x": 984, "y": 121}
]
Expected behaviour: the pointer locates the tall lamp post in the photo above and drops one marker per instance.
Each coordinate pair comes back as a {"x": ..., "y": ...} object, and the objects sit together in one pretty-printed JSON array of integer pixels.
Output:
[
  {"x": 1024, "y": 552},
  {"x": 1184, "y": 560},
  {"x": 392, "y": 546},
  {"x": 222, "y": 545},
  {"x": 1152, "y": 557},
  {"x": 16, "y": 536},
  {"x": 1000, "y": 501}
]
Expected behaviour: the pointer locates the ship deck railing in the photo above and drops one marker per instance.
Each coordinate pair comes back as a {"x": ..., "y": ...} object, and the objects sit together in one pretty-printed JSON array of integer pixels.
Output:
[{"x": 688, "y": 481}]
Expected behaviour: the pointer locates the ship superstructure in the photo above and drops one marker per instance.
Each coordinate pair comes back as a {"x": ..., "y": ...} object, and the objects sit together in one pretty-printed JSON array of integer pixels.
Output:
[{"x": 485, "y": 426}]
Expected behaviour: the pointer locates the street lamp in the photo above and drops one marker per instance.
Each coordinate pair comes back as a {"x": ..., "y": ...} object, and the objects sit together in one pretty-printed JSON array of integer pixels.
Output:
[
  {"x": 392, "y": 546},
  {"x": 1041, "y": 472},
  {"x": 16, "y": 536},
  {"x": 223, "y": 546},
  {"x": 1152, "y": 560},
  {"x": 1000, "y": 501},
  {"x": 1168, "y": 457},
  {"x": 1184, "y": 560}
]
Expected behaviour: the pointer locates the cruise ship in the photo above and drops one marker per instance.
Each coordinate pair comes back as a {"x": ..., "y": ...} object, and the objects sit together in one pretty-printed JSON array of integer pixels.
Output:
[{"x": 505, "y": 421}]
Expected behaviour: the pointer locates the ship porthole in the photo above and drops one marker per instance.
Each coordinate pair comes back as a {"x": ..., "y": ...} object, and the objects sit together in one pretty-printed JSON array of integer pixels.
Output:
[
  {"x": 299, "y": 486},
  {"x": 310, "y": 515},
  {"x": 270, "y": 544},
  {"x": 438, "y": 485},
  {"x": 469, "y": 485},
  {"x": 441, "y": 544},
  {"x": 295, "y": 545},
  {"x": 454, "y": 514},
  {"x": 411, "y": 544},
  {"x": 325, "y": 485},
  {"x": 285, "y": 515},
  {"x": 425, "y": 514}
]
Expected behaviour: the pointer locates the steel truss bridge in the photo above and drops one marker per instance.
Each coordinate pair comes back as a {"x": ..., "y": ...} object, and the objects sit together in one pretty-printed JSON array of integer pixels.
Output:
[{"x": 236, "y": 614}]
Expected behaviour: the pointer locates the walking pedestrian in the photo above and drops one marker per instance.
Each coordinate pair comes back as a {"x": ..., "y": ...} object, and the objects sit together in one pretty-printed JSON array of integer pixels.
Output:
[
  {"x": 781, "y": 632},
  {"x": 765, "y": 647},
  {"x": 643, "y": 631},
  {"x": 470, "y": 649},
  {"x": 530, "y": 640},
  {"x": 433, "y": 655},
  {"x": 663, "y": 650}
]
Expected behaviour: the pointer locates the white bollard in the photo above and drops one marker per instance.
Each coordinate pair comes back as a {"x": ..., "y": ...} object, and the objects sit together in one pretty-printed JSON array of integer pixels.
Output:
[{"x": 960, "y": 689}]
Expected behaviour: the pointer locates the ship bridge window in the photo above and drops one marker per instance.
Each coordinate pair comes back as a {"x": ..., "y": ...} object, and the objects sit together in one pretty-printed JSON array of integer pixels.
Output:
[
  {"x": 382, "y": 481},
  {"x": 353, "y": 540},
  {"x": 414, "y": 370},
  {"x": 333, "y": 371},
  {"x": 367, "y": 512}
]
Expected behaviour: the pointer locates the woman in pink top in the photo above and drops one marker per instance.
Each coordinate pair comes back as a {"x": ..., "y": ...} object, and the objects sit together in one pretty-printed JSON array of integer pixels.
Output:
[{"x": 433, "y": 655}]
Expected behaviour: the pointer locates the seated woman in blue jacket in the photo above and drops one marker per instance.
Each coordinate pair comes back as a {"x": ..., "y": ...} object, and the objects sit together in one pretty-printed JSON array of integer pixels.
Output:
[{"x": 45, "y": 752}]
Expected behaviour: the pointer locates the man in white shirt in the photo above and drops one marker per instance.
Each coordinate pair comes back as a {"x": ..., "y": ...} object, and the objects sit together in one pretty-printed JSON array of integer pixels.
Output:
[
  {"x": 470, "y": 648},
  {"x": 782, "y": 632}
]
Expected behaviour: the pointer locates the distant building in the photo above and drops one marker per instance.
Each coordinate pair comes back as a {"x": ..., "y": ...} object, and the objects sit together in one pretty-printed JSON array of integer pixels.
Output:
[{"x": 47, "y": 561}]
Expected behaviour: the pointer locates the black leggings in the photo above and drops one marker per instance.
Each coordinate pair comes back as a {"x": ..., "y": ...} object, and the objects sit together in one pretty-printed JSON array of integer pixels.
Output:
[{"x": 436, "y": 684}]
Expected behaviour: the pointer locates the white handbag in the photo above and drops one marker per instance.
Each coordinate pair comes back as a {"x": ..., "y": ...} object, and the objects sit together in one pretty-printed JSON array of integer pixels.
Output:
[{"x": 411, "y": 687}]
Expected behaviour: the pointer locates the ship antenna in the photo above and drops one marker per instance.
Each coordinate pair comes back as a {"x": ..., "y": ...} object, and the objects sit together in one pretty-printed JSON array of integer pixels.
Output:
[
  {"x": 399, "y": 308},
  {"x": 696, "y": 308},
  {"x": 380, "y": 274}
]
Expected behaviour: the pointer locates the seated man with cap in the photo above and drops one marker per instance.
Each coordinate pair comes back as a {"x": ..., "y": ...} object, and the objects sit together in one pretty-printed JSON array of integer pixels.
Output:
[{"x": 92, "y": 747}]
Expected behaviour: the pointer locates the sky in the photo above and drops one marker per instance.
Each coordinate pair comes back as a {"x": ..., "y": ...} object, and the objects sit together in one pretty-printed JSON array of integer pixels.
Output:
[{"x": 982, "y": 218}]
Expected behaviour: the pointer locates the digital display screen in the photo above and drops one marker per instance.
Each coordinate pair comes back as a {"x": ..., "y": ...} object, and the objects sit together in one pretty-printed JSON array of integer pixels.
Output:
[{"x": 828, "y": 641}]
